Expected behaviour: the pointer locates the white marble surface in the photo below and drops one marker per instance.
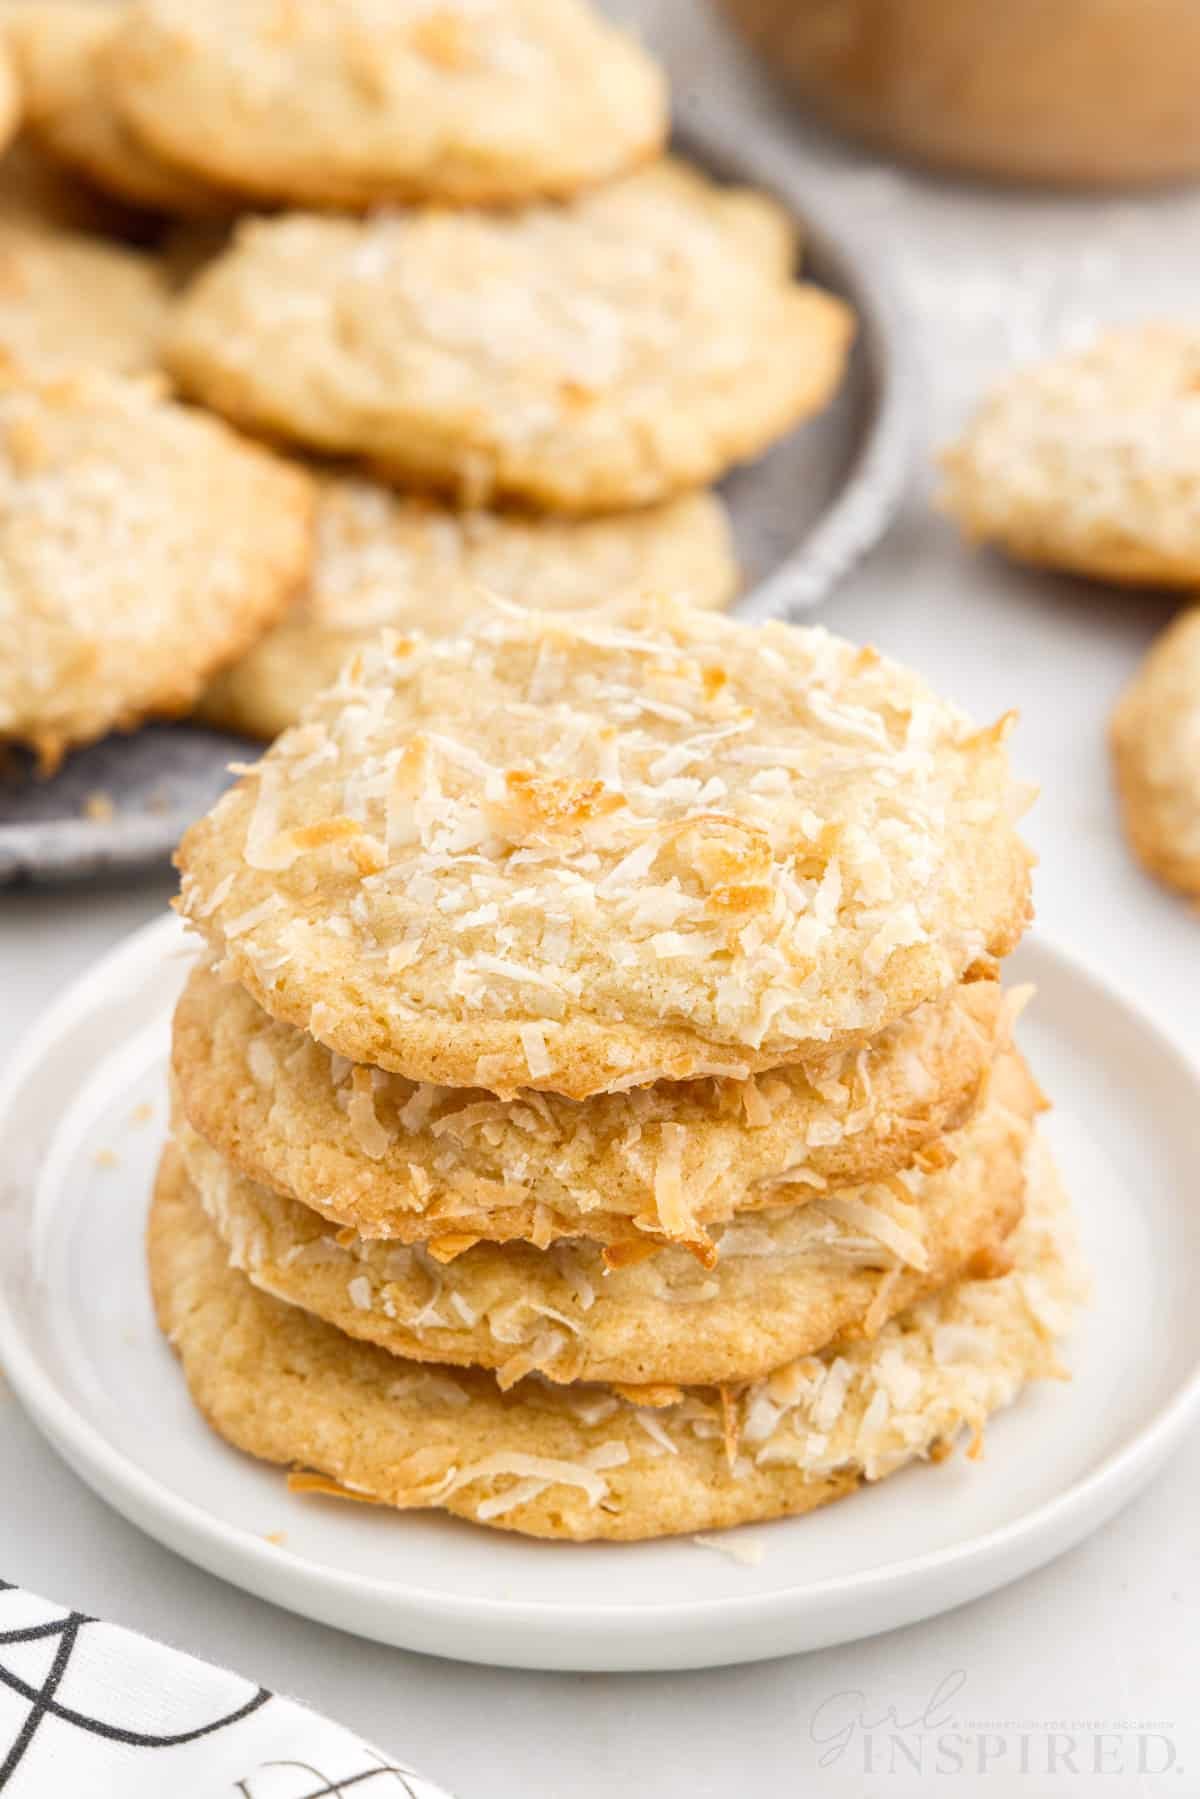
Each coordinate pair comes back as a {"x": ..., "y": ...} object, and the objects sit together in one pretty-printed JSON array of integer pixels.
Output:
[{"x": 1108, "y": 1636}]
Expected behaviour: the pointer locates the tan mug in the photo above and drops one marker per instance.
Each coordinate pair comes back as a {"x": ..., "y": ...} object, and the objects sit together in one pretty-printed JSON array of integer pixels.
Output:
[{"x": 1078, "y": 92}]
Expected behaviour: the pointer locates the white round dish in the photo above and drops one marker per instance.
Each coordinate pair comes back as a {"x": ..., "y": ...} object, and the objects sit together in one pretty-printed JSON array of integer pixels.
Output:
[{"x": 82, "y": 1112}]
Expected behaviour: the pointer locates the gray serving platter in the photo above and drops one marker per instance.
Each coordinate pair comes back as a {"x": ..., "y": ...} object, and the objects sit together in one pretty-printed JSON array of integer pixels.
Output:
[{"x": 802, "y": 515}]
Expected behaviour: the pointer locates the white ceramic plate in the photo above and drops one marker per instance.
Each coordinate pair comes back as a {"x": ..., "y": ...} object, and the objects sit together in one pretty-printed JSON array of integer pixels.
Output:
[{"x": 78, "y": 1342}]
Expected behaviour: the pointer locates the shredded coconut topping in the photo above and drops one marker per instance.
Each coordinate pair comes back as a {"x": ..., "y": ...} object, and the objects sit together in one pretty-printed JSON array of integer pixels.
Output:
[{"x": 557, "y": 836}]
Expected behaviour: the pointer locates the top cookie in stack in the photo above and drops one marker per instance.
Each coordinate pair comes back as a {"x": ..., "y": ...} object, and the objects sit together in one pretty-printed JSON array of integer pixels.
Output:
[
  {"x": 549, "y": 961},
  {"x": 583, "y": 852}
]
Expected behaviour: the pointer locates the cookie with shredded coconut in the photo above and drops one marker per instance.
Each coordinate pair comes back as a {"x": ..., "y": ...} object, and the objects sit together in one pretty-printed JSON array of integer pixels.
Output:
[
  {"x": 67, "y": 300},
  {"x": 583, "y": 358},
  {"x": 587, "y": 851},
  {"x": 1156, "y": 756},
  {"x": 141, "y": 545},
  {"x": 391, "y": 559},
  {"x": 62, "y": 49},
  {"x": 1090, "y": 462},
  {"x": 367, "y": 102},
  {"x": 391, "y": 1158},
  {"x": 786, "y": 1282},
  {"x": 587, "y": 1461}
]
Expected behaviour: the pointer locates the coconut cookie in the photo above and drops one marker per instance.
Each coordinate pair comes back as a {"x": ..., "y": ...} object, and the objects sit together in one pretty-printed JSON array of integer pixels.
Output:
[
  {"x": 141, "y": 545},
  {"x": 585, "y": 1462},
  {"x": 366, "y": 102},
  {"x": 68, "y": 300},
  {"x": 62, "y": 48},
  {"x": 786, "y": 1283},
  {"x": 391, "y": 1158},
  {"x": 389, "y": 559},
  {"x": 586, "y": 358},
  {"x": 1091, "y": 462},
  {"x": 1156, "y": 755},
  {"x": 583, "y": 852}
]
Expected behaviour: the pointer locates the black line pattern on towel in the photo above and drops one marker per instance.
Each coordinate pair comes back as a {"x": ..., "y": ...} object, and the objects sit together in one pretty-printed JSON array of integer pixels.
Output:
[
  {"x": 43, "y": 1704},
  {"x": 42, "y": 1698},
  {"x": 331, "y": 1788}
]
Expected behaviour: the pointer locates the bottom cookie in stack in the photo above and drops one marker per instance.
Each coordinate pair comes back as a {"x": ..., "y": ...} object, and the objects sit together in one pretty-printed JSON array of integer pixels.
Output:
[{"x": 586, "y": 1461}]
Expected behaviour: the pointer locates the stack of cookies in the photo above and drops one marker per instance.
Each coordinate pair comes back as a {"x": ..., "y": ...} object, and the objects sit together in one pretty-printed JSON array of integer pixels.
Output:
[
  {"x": 597, "y": 1112},
  {"x": 529, "y": 339}
]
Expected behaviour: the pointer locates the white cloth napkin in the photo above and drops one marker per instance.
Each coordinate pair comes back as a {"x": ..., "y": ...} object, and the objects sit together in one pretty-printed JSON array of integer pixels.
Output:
[{"x": 91, "y": 1710}]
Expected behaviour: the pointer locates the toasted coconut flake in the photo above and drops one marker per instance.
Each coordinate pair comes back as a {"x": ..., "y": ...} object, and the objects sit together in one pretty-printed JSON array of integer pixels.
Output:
[
  {"x": 298, "y": 1481},
  {"x": 368, "y": 855},
  {"x": 983, "y": 968},
  {"x": 449, "y": 1247},
  {"x": 932, "y": 1157},
  {"x": 990, "y": 1263},
  {"x": 541, "y": 808},
  {"x": 338, "y": 829},
  {"x": 630, "y": 1253},
  {"x": 655, "y": 1393},
  {"x": 993, "y": 734}
]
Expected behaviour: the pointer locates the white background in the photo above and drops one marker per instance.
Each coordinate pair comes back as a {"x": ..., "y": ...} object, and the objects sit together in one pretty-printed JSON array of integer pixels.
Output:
[{"x": 1111, "y": 1632}]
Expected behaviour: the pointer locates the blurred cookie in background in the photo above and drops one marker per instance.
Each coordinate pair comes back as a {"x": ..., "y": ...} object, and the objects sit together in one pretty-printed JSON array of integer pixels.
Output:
[
  {"x": 366, "y": 103},
  {"x": 631, "y": 345},
  {"x": 1156, "y": 757},
  {"x": 391, "y": 559},
  {"x": 1090, "y": 462},
  {"x": 73, "y": 301},
  {"x": 142, "y": 545},
  {"x": 63, "y": 49}
]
